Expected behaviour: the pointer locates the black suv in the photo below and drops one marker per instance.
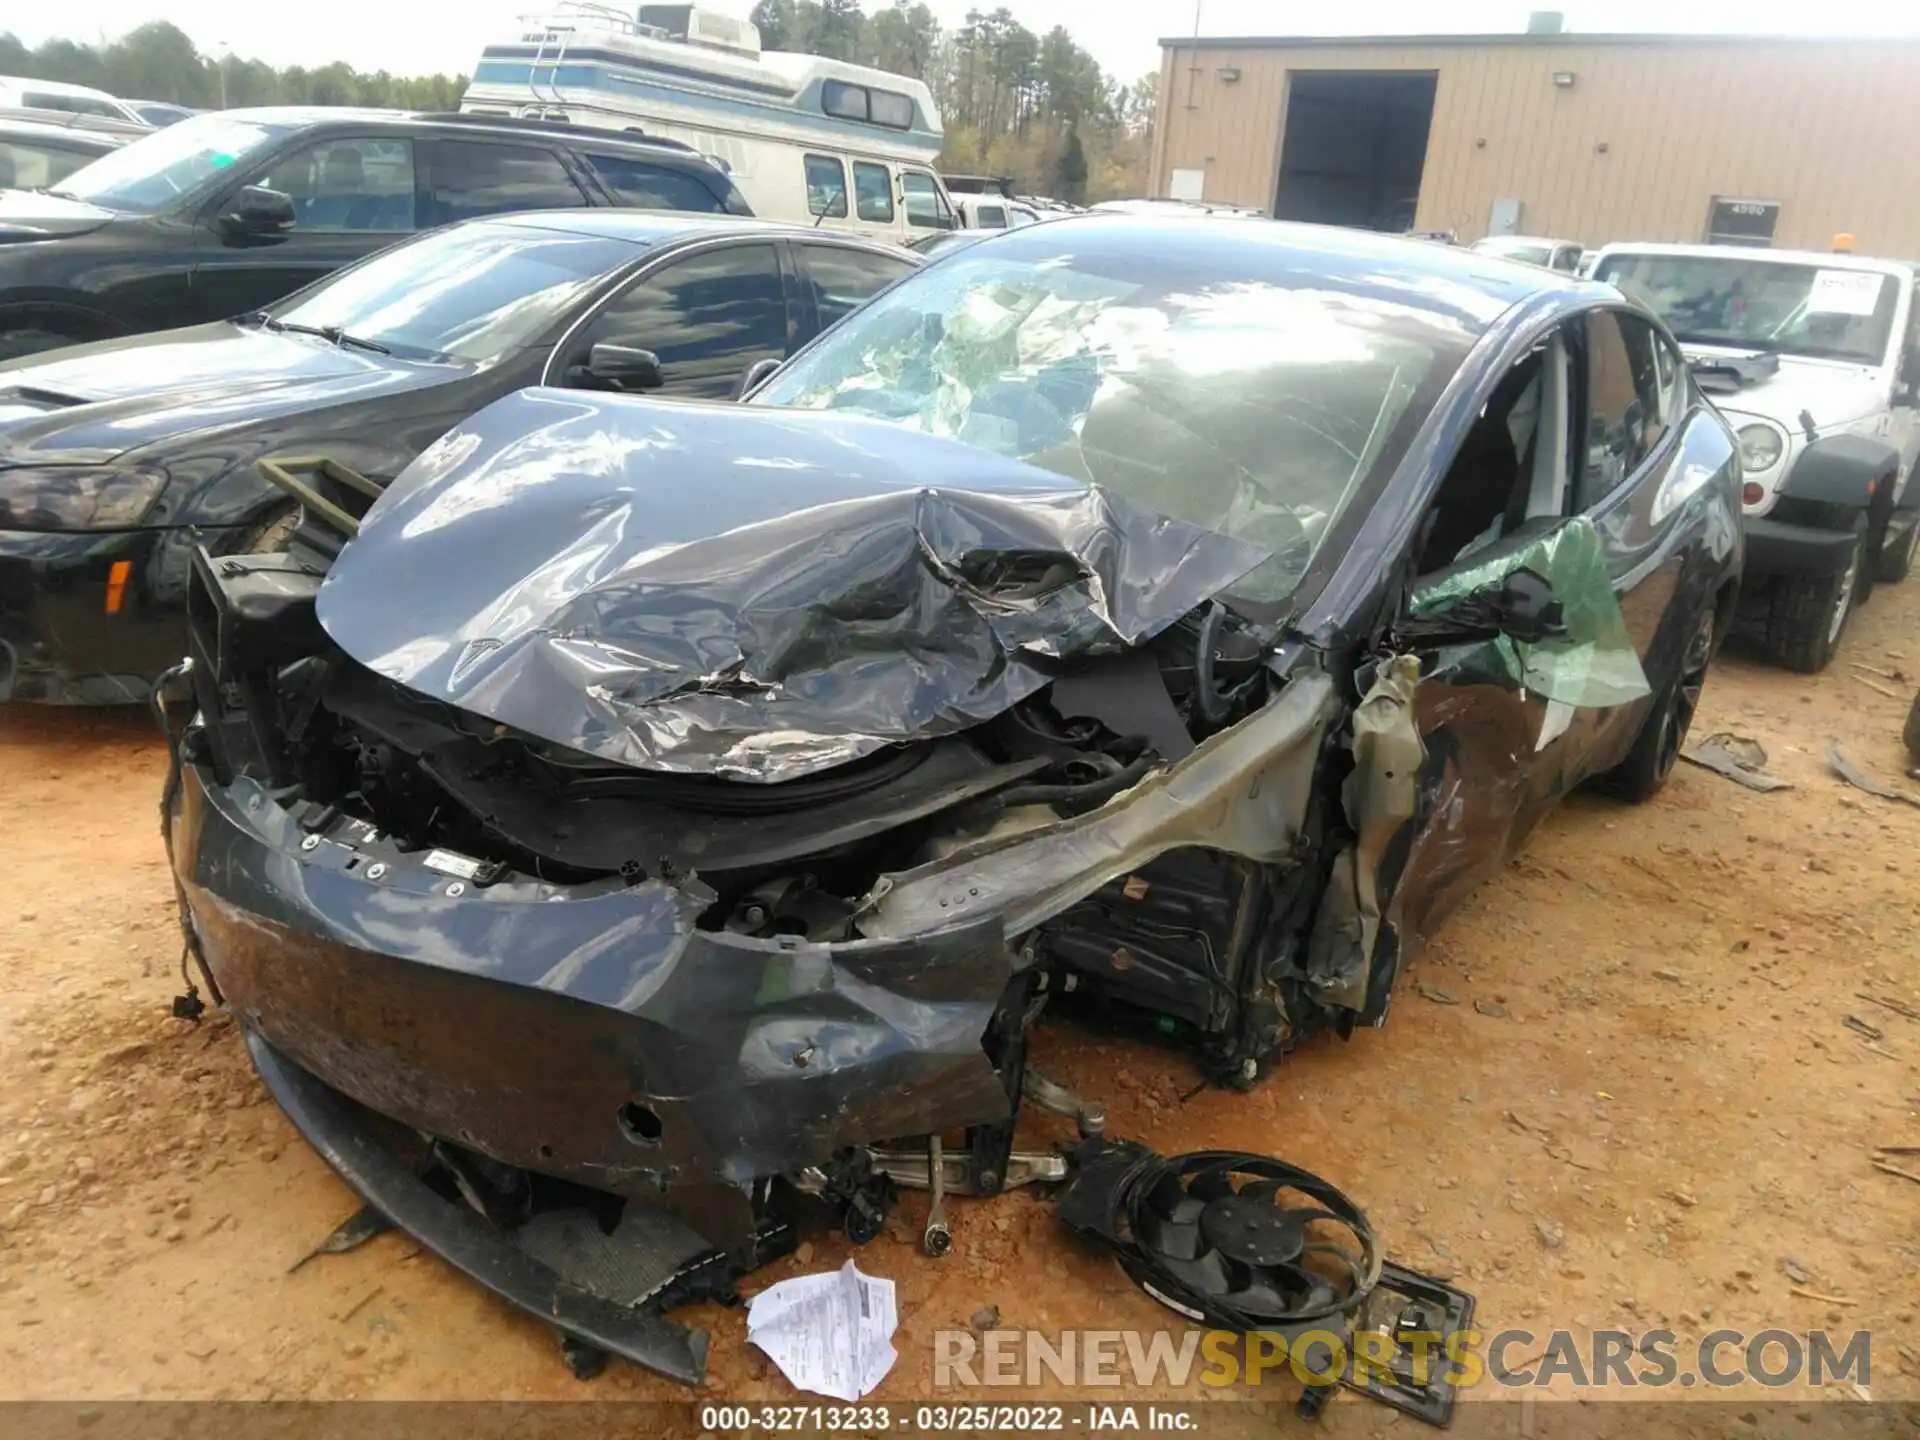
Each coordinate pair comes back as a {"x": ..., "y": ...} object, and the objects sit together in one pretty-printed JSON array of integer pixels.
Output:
[{"x": 223, "y": 213}]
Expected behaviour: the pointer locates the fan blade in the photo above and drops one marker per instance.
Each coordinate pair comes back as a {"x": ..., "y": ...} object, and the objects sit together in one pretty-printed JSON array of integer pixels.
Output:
[
  {"x": 1166, "y": 1197},
  {"x": 1268, "y": 1190},
  {"x": 1169, "y": 1239},
  {"x": 1213, "y": 1183},
  {"x": 1205, "y": 1275}
]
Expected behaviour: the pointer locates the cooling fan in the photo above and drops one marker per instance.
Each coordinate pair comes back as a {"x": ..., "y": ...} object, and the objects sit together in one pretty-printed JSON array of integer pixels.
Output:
[
  {"x": 1247, "y": 1243},
  {"x": 1241, "y": 1242}
]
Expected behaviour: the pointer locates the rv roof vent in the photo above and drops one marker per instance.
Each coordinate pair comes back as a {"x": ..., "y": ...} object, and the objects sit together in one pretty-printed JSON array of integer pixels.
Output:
[
  {"x": 709, "y": 28},
  {"x": 1546, "y": 22}
]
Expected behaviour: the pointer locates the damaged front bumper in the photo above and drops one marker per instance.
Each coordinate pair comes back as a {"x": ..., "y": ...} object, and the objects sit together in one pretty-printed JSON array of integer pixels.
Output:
[{"x": 587, "y": 1033}]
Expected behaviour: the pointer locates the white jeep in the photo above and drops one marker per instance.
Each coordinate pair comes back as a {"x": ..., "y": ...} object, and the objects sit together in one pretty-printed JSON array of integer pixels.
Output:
[{"x": 1815, "y": 360}]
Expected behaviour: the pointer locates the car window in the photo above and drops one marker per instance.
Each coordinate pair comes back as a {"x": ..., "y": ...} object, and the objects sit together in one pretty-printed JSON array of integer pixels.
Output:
[
  {"x": 990, "y": 217},
  {"x": 707, "y": 317},
  {"x": 926, "y": 206},
  {"x": 872, "y": 192},
  {"x": 654, "y": 187},
  {"x": 840, "y": 278},
  {"x": 1567, "y": 257},
  {"x": 26, "y": 166},
  {"x": 471, "y": 179},
  {"x": 355, "y": 183},
  {"x": 468, "y": 292},
  {"x": 1626, "y": 414},
  {"x": 826, "y": 187},
  {"x": 1486, "y": 491}
]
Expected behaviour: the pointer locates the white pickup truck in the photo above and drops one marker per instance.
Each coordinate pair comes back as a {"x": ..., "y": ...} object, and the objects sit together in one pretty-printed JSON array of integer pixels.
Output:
[{"x": 1815, "y": 361}]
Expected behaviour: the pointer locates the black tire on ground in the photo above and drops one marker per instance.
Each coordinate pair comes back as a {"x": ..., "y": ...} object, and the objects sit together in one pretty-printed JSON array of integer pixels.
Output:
[
  {"x": 1650, "y": 762},
  {"x": 16, "y": 343},
  {"x": 1912, "y": 736},
  {"x": 1896, "y": 556},
  {"x": 1807, "y": 615},
  {"x": 271, "y": 535}
]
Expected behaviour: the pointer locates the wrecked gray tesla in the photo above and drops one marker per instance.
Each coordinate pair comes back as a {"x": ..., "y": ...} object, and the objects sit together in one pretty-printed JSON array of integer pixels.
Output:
[{"x": 643, "y": 818}]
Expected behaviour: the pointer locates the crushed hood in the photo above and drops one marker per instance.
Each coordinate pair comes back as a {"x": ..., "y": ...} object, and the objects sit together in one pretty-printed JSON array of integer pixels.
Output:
[{"x": 745, "y": 592}]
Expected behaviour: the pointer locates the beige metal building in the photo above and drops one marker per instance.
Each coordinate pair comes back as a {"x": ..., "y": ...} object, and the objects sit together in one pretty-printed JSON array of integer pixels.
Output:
[{"x": 1584, "y": 137}]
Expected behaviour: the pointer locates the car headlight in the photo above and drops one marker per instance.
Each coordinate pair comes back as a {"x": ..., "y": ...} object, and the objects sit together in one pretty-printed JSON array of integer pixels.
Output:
[
  {"x": 77, "y": 497},
  {"x": 1760, "y": 448}
]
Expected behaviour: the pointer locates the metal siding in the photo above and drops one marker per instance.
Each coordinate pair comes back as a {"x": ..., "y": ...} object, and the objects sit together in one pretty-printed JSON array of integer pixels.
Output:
[{"x": 1803, "y": 123}]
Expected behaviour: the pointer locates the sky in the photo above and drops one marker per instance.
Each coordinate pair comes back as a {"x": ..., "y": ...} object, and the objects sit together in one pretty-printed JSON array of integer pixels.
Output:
[{"x": 416, "y": 37}]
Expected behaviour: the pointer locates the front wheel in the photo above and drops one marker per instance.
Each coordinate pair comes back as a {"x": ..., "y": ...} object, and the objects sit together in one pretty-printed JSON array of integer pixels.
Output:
[
  {"x": 1807, "y": 615},
  {"x": 1896, "y": 556},
  {"x": 1641, "y": 775}
]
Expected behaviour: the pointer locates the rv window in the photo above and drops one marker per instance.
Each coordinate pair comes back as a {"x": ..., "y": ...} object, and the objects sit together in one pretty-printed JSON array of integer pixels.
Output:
[
  {"x": 826, "y": 187},
  {"x": 842, "y": 278},
  {"x": 891, "y": 110},
  {"x": 650, "y": 187},
  {"x": 926, "y": 206},
  {"x": 872, "y": 192},
  {"x": 849, "y": 102},
  {"x": 472, "y": 179}
]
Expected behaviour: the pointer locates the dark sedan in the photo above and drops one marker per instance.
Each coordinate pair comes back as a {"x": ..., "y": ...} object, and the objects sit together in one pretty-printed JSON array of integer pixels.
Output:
[
  {"x": 680, "y": 811},
  {"x": 117, "y": 459}
]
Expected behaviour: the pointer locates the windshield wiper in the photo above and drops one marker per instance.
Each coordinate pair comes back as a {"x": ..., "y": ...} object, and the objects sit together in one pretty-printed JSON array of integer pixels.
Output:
[{"x": 332, "y": 334}]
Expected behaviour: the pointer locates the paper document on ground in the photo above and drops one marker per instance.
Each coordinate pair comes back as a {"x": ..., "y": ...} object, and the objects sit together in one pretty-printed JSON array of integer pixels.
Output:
[{"x": 831, "y": 1334}]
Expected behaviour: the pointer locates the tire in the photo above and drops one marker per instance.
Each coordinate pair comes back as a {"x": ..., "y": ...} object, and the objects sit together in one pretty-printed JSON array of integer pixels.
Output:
[
  {"x": 1912, "y": 735},
  {"x": 1896, "y": 560},
  {"x": 14, "y": 344},
  {"x": 1807, "y": 615},
  {"x": 1644, "y": 773}
]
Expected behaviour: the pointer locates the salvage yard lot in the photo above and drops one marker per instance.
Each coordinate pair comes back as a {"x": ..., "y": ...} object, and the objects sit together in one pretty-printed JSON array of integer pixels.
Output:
[{"x": 1619, "y": 1092}]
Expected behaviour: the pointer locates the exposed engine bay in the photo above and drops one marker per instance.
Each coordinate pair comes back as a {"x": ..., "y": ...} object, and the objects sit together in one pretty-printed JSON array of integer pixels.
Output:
[{"x": 1019, "y": 748}]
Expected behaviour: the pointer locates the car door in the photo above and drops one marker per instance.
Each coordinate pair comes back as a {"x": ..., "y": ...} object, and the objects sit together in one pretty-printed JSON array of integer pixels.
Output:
[
  {"x": 836, "y": 280},
  {"x": 708, "y": 314},
  {"x": 351, "y": 194},
  {"x": 1584, "y": 480}
]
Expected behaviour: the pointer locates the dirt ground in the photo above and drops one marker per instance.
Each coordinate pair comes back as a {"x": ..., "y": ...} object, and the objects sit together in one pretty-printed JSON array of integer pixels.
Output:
[{"x": 1643, "y": 1106}]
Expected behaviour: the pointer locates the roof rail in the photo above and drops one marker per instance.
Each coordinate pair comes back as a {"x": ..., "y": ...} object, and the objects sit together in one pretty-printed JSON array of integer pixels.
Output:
[{"x": 552, "y": 125}]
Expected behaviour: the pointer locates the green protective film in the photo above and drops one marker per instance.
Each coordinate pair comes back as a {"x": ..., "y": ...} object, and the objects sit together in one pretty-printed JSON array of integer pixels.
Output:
[{"x": 1593, "y": 665}]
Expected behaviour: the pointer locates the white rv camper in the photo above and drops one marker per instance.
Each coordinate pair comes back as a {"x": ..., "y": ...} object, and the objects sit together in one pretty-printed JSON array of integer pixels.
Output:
[{"x": 815, "y": 141}]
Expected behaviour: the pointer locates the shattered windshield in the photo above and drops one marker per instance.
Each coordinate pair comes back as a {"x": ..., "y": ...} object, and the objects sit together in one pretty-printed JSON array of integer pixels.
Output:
[
  {"x": 1827, "y": 312},
  {"x": 1252, "y": 408}
]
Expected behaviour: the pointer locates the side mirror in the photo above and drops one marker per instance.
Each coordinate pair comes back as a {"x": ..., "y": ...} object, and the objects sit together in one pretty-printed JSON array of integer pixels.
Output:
[
  {"x": 1521, "y": 606},
  {"x": 256, "y": 210},
  {"x": 756, "y": 375},
  {"x": 625, "y": 368}
]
